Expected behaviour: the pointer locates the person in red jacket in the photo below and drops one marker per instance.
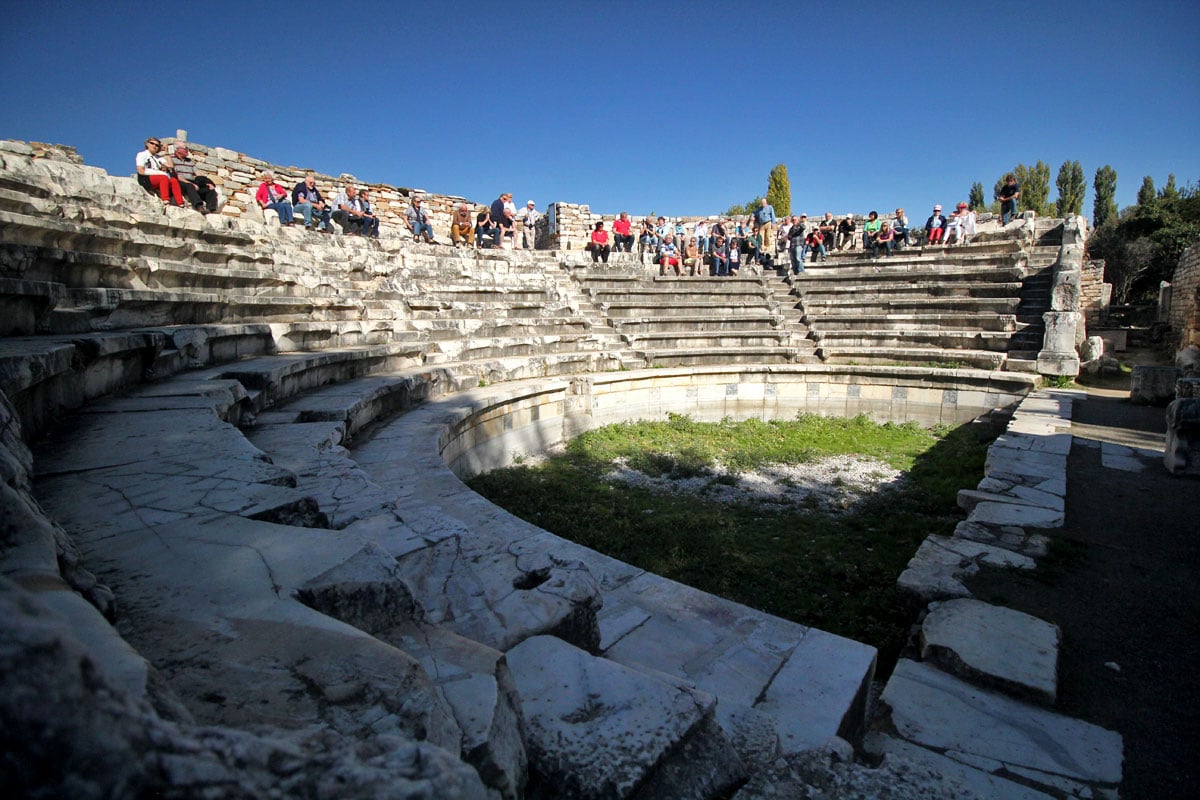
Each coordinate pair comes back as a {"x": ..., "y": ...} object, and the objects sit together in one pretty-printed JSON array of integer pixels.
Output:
[{"x": 599, "y": 244}]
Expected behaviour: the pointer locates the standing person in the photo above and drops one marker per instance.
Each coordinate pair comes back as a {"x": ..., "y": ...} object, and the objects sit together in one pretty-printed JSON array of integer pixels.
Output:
[
  {"x": 700, "y": 231},
  {"x": 1009, "y": 193},
  {"x": 418, "y": 222},
  {"x": 152, "y": 173},
  {"x": 529, "y": 218},
  {"x": 460, "y": 226},
  {"x": 273, "y": 196},
  {"x": 201, "y": 192},
  {"x": 307, "y": 199},
  {"x": 623, "y": 233},
  {"x": 796, "y": 234},
  {"x": 510, "y": 216},
  {"x": 599, "y": 243},
  {"x": 764, "y": 225}
]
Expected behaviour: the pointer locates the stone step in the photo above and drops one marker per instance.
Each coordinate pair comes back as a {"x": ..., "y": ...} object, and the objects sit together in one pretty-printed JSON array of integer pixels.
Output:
[
  {"x": 796, "y": 353},
  {"x": 741, "y": 322},
  {"x": 912, "y": 356},
  {"x": 715, "y": 308},
  {"x": 911, "y": 305},
  {"x": 943, "y": 339},
  {"x": 868, "y": 289},
  {"x": 949, "y": 320},
  {"x": 725, "y": 340}
]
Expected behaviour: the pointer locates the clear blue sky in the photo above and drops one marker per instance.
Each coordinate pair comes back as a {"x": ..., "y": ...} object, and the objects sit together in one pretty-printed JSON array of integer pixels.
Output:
[{"x": 676, "y": 108}]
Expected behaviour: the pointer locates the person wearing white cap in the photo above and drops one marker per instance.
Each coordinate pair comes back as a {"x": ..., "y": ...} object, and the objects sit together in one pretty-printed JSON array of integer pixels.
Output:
[
  {"x": 935, "y": 226},
  {"x": 957, "y": 226},
  {"x": 529, "y": 218}
]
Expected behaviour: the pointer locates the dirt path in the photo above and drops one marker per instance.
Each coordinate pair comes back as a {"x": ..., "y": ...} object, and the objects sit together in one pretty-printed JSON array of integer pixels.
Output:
[{"x": 1125, "y": 589}]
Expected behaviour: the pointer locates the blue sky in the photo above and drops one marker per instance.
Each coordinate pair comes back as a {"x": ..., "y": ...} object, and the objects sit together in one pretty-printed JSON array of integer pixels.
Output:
[{"x": 675, "y": 108}]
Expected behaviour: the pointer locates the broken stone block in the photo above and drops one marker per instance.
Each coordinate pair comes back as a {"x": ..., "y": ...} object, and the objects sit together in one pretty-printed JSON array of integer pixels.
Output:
[
  {"x": 993, "y": 646},
  {"x": 1153, "y": 386},
  {"x": 938, "y": 711},
  {"x": 597, "y": 729}
]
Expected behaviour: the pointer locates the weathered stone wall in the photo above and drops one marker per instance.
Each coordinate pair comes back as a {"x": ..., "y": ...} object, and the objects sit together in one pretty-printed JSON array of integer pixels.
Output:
[
  {"x": 1185, "y": 299},
  {"x": 1094, "y": 294}
]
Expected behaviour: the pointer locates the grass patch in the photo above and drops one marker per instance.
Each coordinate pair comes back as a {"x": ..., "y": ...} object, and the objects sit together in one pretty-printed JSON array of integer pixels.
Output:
[{"x": 835, "y": 572}]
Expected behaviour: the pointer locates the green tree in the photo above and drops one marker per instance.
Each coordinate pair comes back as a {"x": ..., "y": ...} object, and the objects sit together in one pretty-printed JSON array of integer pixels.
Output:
[
  {"x": 736, "y": 210},
  {"x": 1146, "y": 194},
  {"x": 1170, "y": 191},
  {"x": 1104, "y": 204},
  {"x": 1071, "y": 187},
  {"x": 975, "y": 199},
  {"x": 779, "y": 190},
  {"x": 1035, "y": 187}
]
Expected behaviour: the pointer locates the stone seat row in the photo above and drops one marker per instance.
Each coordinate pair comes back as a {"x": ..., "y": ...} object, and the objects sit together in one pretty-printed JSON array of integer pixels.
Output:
[{"x": 456, "y": 600}]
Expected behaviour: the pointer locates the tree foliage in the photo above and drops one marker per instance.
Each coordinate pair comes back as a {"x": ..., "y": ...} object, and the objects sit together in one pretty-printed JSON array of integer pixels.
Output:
[
  {"x": 1146, "y": 194},
  {"x": 779, "y": 190},
  {"x": 1104, "y": 203},
  {"x": 1170, "y": 191},
  {"x": 1035, "y": 187},
  {"x": 1071, "y": 187},
  {"x": 749, "y": 208},
  {"x": 975, "y": 199},
  {"x": 1142, "y": 247}
]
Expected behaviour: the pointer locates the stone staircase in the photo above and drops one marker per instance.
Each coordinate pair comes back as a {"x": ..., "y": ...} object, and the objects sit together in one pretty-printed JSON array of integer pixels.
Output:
[
  {"x": 698, "y": 321},
  {"x": 931, "y": 306}
]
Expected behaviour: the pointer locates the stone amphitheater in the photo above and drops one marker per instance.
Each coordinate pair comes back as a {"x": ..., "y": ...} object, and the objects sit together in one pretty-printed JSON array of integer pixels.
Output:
[{"x": 239, "y": 561}]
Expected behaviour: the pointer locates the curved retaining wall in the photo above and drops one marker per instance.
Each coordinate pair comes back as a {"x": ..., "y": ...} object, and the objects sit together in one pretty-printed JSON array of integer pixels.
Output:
[{"x": 496, "y": 427}]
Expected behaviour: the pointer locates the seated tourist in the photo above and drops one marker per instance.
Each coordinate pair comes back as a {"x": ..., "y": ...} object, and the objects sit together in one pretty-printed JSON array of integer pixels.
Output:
[
  {"x": 828, "y": 227},
  {"x": 935, "y": 226},
  {"x": 153, "y": 175},
  {"x": 871, "y": 229},
  {"x": 648, "y": 239},
  {"x": 900, "y": 227},
  {"x": 720, "y": 255},
  {"x": 504, "y": 224},
  {"x": 485, "y": 230},
  {"x": 307, "y": 199},
  {"x": 815, "y": 241},
  {"x": 692, "y": 258},
  {"x": 668, "y": 254},
  {"x": 418, "y": 222},
  {"x": 847, "y": 237},
  {"x": 200, "y": 191},
  {"x": 735, "y": 255},
  {"x": 347, "y": 212},
  {"x": 598, "y": 244},
  {"x": 623, "y": 233},
  {"x": 370, "y": 221},
  {"x": 273, "y": 196},
  {"x": 461, "y": 226},
  {"x": 885, "y": 238},
  {"x": 956, "y": 224}
]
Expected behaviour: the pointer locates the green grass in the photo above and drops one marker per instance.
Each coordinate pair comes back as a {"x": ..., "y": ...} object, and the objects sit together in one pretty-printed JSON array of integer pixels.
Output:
[{"x": 836, "y": 572}]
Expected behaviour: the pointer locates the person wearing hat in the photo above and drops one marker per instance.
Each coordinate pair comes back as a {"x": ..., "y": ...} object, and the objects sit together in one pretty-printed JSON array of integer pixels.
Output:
[
  {"x": 201, "y": 192},
  {"x": 529, "y": 218},
  {"x": 846, "y": 233},
  {"x": 957, "y": 225},
  {"x": 935, "y": 226}
]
